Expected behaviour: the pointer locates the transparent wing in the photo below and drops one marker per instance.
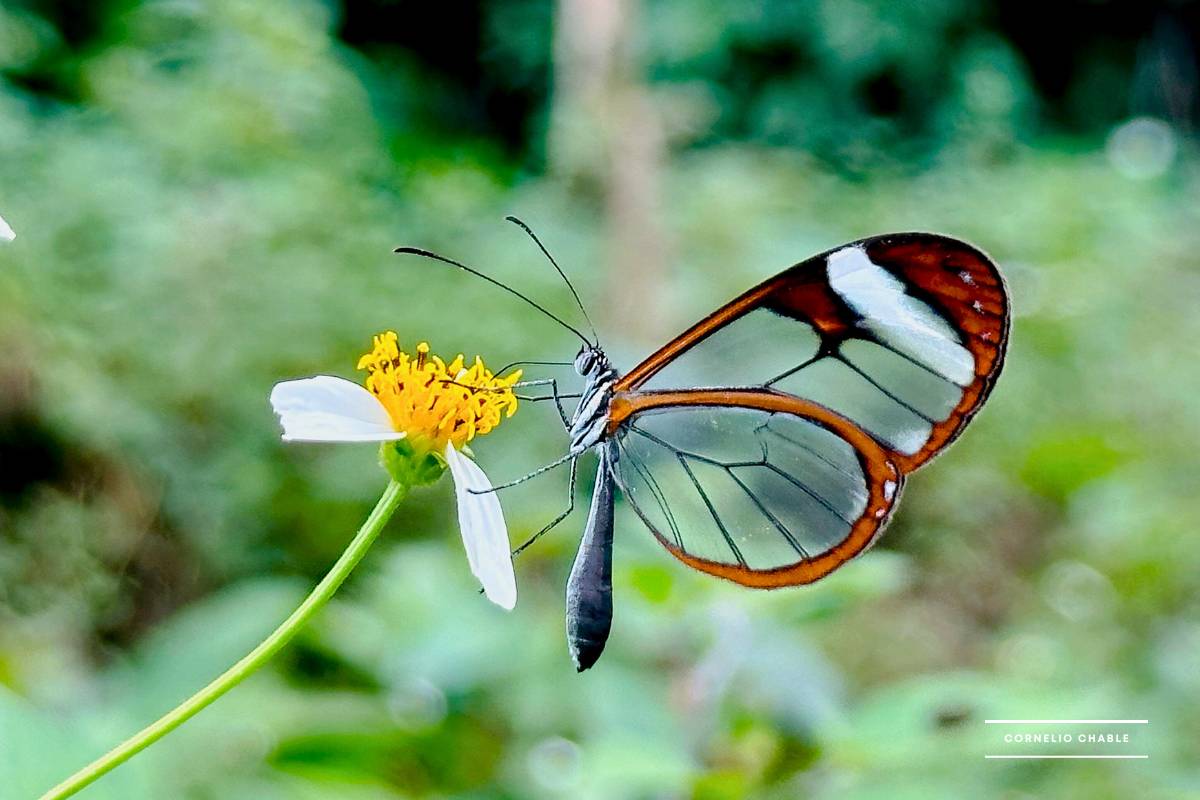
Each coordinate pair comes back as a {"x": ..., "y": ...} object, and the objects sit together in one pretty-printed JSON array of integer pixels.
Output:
[
  {"x": 902, "y": 334},
  {"x": 761, "y": 496}
]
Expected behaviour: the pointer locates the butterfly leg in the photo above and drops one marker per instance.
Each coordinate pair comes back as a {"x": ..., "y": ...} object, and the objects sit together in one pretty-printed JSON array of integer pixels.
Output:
[
  {"x": 538, "y": 382},
  {"x": 558, "y": 519},
  {"x": 556, "y": 463},
  {"x": 555, "y": 395}
]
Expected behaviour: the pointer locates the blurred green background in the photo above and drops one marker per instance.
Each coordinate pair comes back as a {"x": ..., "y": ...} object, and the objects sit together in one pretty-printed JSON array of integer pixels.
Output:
[{"x": 206, "y": 195}]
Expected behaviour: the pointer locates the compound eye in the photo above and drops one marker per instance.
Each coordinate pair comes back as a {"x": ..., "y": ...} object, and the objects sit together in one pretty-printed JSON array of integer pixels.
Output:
[{"x": 584, "y": 361}]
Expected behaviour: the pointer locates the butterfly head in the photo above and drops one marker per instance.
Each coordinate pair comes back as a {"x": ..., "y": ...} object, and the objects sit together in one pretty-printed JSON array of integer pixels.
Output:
[{"x": 591, "y": 361}]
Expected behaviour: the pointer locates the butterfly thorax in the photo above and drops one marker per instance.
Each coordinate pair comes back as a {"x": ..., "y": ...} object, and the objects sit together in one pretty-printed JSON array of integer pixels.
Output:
[{"x": 590, "y": 419}]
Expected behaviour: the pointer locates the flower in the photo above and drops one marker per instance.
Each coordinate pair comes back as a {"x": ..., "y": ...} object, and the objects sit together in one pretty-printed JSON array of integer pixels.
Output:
[
  {"x": 424, "y": 412},
  {"x": 431, "y": 400},
  {"x": 6, "y": 233}
]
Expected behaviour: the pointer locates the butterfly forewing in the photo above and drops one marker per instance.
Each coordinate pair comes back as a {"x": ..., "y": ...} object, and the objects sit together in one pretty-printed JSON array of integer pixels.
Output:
[
  {"x": 763, "y": 489},
  {"x": 902, "y": 334}
]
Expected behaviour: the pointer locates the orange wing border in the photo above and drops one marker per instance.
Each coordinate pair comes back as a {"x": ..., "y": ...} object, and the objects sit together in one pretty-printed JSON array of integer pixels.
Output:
[
  {"x": 956, "y": 279},
  {"x": 878, "y": 466}
]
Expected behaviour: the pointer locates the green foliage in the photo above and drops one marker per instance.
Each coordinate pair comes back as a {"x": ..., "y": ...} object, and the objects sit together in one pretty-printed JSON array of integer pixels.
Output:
[{"x": 215, "y": 210}]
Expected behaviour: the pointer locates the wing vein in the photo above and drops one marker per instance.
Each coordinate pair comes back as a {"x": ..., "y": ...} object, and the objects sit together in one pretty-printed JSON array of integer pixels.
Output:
[
  {"x": 711, "y": 509},
  {"x": 790, "y": 372},
  {"x": 802, "y": 487},
  {"x": 787, "y": 534},
  {"x": 879, "y": 341},
  {"x": 696, "y": 456},
  {"x": 766, "y": 426},
  {"x": 656, "y": 492},
  {"x": 886, "y": 392}
]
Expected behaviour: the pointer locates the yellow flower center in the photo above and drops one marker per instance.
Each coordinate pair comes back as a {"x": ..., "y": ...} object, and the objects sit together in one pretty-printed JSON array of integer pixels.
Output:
[{"x": 433, "y": 402}]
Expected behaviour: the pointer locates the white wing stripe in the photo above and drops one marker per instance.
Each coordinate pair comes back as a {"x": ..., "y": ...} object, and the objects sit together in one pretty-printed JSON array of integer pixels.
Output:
[{"x": 900, "y": 320}]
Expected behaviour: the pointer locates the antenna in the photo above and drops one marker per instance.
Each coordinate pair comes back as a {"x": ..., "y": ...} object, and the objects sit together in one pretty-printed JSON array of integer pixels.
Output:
[
  {"x": 563, "y": 275},
  {"x": 416, "y": 251}
]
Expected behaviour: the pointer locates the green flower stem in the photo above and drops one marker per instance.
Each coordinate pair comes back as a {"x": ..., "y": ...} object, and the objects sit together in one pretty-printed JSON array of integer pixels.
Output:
[{"x": 315, "y": 601}]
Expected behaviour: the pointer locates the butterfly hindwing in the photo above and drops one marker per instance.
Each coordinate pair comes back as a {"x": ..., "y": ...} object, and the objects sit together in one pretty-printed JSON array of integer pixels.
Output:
[{"x": 756, "y": 487}]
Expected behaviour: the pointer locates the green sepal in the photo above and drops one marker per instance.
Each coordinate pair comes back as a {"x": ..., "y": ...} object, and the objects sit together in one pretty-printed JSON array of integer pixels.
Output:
[{"x": 409, "y": 467}]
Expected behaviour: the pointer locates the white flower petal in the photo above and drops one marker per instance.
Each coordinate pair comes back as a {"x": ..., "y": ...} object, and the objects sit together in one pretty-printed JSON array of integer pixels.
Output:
[
  {"x": 483, "y": 531},
  {"x": 329, "y": 409},
  {"x": 6, "y": 233}
]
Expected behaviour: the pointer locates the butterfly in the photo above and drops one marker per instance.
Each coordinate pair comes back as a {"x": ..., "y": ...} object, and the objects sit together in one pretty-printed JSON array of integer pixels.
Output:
[{"x": 768, "y": 443}]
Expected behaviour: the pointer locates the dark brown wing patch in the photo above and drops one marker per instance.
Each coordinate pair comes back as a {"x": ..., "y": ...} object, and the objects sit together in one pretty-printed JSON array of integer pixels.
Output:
[{"x": 967, "y": 289}]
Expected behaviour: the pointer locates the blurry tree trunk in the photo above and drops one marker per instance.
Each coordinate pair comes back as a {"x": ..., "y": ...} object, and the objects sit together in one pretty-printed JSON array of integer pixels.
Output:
[{"x": 605, "y": 133}]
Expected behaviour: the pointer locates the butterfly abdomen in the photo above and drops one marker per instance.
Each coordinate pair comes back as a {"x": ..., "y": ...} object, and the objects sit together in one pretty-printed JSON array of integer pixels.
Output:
[{"x": 589, "y": 589}]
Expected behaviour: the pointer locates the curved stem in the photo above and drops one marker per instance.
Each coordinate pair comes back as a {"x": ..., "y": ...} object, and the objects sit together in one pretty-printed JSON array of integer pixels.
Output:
[{"x": 252, "y": 661}]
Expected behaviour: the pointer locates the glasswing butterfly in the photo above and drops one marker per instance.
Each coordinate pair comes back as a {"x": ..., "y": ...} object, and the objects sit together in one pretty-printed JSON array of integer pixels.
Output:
[{"x": 768, "y": 443}]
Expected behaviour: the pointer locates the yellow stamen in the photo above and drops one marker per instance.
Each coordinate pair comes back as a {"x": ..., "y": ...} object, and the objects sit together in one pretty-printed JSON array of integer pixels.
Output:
[{"x": 434, "y": 402}]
